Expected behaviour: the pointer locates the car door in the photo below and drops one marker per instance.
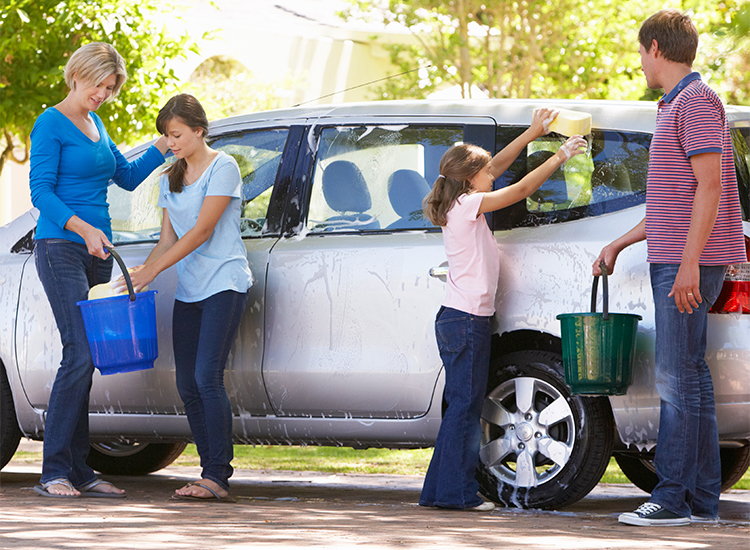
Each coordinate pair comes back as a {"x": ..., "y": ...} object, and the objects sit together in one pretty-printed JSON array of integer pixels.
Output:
[
  {"x": 351, "y": 300},
  {"x": 260, "y": 151}
]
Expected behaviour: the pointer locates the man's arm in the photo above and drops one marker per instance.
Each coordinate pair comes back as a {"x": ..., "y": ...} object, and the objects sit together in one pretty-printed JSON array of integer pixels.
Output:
[
  {"x": 609, "y": 253},
  {"x": 686, "y": 288}
]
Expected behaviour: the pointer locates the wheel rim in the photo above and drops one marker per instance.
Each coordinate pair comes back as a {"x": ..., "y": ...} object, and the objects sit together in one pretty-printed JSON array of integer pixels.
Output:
[
  {"x": 119, "y": 448},
  {"x": 528, "y": 432}
]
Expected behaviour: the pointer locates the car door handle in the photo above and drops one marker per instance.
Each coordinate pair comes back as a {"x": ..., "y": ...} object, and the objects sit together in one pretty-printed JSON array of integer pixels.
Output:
[{"x": 441, "y": 271}]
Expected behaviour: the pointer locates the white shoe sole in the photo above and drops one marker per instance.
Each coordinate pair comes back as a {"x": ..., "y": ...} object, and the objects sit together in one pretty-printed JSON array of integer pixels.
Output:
[{"x": 629, "y": 518}]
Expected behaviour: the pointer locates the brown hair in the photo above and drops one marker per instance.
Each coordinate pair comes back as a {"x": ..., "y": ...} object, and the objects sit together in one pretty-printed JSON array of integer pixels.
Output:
[
  {"x": 459, "y": 163},
  {"x": 94, "y": 62},
  {"x": 675, "y": 34},
  {"x": 190, "y": 112}
]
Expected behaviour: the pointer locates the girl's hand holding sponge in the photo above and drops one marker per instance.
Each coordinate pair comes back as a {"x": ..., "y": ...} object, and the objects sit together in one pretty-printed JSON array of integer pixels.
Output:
[{"x": 112, "y": 288}]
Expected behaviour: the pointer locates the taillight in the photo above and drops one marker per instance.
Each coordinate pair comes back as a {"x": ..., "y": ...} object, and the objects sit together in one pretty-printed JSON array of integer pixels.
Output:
[{"x": 735, "y": 294}]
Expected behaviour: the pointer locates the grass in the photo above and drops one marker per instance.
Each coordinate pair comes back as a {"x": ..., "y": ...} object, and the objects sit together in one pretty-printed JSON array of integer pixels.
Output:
[{"x": 341, "y": 460}]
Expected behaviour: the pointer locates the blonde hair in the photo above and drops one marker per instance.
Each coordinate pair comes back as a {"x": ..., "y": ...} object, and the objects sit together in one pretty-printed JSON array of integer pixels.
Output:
[
  {"x": 92, "y": 63},
  {"x": 458, "y": 165}
]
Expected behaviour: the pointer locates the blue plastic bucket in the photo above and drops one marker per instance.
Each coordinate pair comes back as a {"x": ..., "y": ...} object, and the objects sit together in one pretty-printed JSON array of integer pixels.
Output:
[{"x": 121, "y": 333}]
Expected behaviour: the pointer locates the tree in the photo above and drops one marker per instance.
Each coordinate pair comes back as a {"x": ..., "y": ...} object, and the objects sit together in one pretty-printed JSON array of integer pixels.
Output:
[
  {"x": 38, "y": 36},
  {"x": 526, "y": 48}
]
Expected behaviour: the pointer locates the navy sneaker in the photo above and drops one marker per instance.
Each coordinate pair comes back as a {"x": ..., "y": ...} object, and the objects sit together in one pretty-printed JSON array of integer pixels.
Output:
[{"x": 649, "y": 514}]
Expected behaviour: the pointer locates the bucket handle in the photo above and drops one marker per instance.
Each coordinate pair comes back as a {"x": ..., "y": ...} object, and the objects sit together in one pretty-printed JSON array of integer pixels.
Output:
[
  {"x": 128, "y": 282},
  {"x": 605, "y": 292}
]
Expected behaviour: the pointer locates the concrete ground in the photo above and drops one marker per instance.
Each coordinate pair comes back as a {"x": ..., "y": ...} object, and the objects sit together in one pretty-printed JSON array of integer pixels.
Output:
[{"x": 308, "y": 509}]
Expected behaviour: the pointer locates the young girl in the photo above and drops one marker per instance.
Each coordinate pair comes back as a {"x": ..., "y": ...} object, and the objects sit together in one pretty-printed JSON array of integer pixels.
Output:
[
  {"x": 200, "y": 195},
  {"x": 461, "y": 194}
]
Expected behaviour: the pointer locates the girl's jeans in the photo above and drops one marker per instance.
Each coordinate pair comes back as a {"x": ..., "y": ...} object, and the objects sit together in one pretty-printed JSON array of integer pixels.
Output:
[
  {"x": 67, "y": 271},
  {"x": 202, "y": 334},
  {"x": 464, "y": 344},
  {"x": 687, "y": 451}
]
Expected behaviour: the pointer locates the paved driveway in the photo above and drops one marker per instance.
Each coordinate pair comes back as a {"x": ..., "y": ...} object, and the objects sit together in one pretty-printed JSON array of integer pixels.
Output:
[{"x": 290, "y": 509}]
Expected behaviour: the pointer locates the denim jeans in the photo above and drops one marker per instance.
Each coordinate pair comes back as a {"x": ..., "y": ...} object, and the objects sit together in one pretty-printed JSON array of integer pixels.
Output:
[
  {"x": 202, "y": 334},
  {"x": 67, "y": 271},
  {"x": 687, "y": 451},
  {"x": 464, "y": 345}
]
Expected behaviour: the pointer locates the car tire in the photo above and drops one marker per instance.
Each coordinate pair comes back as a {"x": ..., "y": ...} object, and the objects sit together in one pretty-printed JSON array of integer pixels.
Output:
[
  {"x": 639, "y": 468},
  {"x": 10, "y": 433},
  {"x": 132, "y": 459},
  {"x": 541, "y": 447}
]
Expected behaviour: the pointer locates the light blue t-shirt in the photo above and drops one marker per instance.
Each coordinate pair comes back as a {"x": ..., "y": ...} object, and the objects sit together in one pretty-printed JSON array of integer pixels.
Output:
[{"x": 220, "y": 263}]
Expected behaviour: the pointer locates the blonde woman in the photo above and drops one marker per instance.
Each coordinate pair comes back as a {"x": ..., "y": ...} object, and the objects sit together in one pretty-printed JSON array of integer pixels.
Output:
[{"x": 72, "y": 161}]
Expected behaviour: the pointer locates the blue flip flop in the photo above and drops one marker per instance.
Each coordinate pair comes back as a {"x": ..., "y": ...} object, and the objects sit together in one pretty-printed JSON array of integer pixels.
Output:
[
  {"x": 42, "y": 489},
  {"x": 88, "y": 493}
]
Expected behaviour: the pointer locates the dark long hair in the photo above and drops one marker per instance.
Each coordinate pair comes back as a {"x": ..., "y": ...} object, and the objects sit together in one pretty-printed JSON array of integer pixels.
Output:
[
  {"x": 190, "y": 112},
  {"x": 460, "y": 163}
]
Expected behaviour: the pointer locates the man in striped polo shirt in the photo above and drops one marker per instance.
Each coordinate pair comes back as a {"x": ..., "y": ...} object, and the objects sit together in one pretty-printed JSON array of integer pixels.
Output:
[{"x": 693, "y": 230}]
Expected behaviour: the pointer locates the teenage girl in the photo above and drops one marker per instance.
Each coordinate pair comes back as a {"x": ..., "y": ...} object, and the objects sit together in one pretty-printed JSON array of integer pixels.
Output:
[
  {"x": 461, "y": 194},
  {"x": 200, "y": 195}
]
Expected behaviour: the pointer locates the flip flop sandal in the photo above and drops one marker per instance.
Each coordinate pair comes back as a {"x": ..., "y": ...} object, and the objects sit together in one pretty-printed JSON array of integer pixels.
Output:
[
  {"x": 213, "y": 498},
  {"x": 43, "y": 488},
  {"x": 88, "y": 493}
]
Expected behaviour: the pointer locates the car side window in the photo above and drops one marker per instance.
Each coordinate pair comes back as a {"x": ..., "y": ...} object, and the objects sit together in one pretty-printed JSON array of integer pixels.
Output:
[
  {"x": 137, "y": 218},
  {"x": 371, "y": 178},
  {"x": 610, "y": 177},
  {"x": 258, "y": 154}
]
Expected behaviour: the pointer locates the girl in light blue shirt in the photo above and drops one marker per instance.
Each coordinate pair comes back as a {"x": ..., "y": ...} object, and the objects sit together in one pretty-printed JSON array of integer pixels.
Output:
[{"x": 201, "y": 198}]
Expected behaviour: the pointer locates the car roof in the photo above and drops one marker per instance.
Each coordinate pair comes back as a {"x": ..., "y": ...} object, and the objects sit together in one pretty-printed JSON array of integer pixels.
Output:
[{"x": 606, "y": 114}]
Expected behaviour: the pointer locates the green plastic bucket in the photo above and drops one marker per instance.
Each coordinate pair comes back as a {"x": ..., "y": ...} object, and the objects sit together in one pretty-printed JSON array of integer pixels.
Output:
[{"x": 598, "y": 348}]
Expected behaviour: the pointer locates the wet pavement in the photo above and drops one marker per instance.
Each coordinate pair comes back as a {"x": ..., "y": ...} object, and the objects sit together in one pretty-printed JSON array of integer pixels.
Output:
[{"x": 307, "y": 509}]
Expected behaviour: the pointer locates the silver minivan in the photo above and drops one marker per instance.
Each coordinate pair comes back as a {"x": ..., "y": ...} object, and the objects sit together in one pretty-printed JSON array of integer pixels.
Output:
[{"x": 337, "y": 346}]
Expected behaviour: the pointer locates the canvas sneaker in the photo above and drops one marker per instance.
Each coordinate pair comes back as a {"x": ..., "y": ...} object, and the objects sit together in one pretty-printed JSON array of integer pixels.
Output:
[
  {"x": 486, "y": 506},
  {"x": 649, "y": 514}
]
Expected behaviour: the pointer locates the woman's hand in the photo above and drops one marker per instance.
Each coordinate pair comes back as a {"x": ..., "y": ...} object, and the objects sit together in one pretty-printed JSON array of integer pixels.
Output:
[
  {"x": 541, "y": 120},
  {"x": 161, "y": 145},
  {"x": 575, "y": 145},
  {"x": 94, "y": 238}
]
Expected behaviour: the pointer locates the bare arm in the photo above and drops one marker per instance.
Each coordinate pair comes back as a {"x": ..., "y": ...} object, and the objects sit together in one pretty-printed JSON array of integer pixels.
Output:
[
  {"x": 170, "y": 250},
  {"x": 609, "y": 253},
  {"x": 539, "y": 127},
  {"x": 686, "y": 288},
  {"x": 495, "y": 200}
]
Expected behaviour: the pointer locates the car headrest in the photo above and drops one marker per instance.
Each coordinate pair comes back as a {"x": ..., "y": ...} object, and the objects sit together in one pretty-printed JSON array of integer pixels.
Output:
[
  {"x": 344, "y": 187},
  {"x": 406, "y": 189}
]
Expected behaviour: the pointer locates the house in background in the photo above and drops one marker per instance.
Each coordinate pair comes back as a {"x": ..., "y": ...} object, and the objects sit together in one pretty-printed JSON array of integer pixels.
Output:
[{"x": 304, "y": 41}]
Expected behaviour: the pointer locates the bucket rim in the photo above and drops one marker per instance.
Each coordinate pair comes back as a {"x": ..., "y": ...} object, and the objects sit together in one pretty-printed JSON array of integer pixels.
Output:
[
  {"x": 561, "y": 316},
  {"x": 117, "y": 298}
]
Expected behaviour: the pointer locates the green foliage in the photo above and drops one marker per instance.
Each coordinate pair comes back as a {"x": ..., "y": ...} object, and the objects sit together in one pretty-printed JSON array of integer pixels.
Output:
[
  {"x": 537, "y": 48},
  {"x": 37, "y": 37}
]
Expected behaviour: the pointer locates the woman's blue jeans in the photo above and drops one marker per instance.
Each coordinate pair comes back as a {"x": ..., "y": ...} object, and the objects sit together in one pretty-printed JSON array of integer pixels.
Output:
[
  {"x": 202, "y": 334},
  {"x": 687, "y": 451},
  {"x": 464, "y": 345},
  {"x": 67, "y": 271}
]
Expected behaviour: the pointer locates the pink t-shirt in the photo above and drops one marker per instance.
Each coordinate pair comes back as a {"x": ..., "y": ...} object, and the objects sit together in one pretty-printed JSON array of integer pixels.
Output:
[{"x": 473, "y": 258}]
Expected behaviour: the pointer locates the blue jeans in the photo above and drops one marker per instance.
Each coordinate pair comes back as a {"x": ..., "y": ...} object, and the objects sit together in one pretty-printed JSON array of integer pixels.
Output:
[
  {"x": 687, "y": 451},
  {"x": 67, "y": 271},
  {"x": 464, "y": 344},
  {"x": 202, "y": 335}
]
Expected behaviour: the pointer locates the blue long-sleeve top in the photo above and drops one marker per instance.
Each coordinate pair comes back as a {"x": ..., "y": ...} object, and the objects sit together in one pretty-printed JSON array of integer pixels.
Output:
[{"x": 70, "y": 174}]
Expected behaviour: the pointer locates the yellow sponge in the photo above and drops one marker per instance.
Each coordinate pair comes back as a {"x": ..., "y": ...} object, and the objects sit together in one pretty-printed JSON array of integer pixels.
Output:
[
  {"x": 105, "y": 290},
  {"x": 571, "y": 123}
]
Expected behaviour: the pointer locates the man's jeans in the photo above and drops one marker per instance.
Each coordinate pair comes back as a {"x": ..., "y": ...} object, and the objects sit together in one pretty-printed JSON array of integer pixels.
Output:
[
  {"x": 202, "y": 334},
  {"x": 67, "y": 271},
  {"x": 464, "y": 344},
  {"x": 687, "y": 451}
]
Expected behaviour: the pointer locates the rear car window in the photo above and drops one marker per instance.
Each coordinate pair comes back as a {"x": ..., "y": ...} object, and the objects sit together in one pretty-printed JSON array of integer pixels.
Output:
[
  {"x": 610, "y": 177},
  {"x": 373, "y": 178}
]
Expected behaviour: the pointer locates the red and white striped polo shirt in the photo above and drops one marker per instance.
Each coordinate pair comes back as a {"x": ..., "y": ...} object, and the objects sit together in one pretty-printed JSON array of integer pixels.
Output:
[{"x": 691, "y": 120}]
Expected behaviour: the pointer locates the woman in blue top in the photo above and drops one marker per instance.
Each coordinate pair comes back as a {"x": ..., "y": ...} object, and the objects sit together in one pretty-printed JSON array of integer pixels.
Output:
[
  {"x": 72, "y": 162},
  {"x": 201, "y": 199}
]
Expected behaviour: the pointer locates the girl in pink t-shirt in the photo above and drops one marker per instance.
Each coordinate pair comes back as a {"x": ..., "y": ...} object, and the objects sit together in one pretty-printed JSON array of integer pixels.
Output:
[{"x": 461, "y": 194}]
